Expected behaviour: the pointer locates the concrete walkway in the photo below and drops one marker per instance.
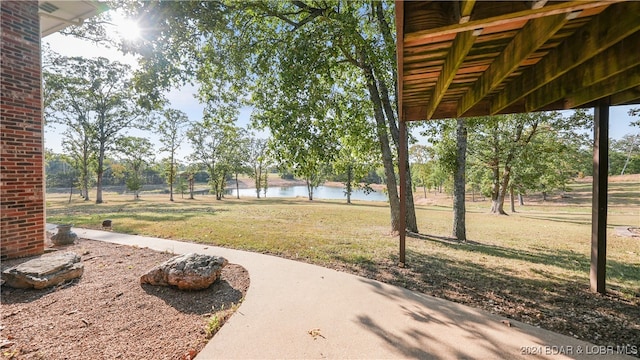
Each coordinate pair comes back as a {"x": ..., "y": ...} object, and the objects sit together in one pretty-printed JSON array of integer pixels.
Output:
[{"x": 295, "y": 310}]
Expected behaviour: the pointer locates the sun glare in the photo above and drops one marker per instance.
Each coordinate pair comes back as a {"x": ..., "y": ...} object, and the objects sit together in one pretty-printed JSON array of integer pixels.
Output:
[{"x": 129, "y": 29}]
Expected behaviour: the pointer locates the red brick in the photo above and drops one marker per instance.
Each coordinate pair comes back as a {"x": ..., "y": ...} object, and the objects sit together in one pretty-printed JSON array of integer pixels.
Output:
[{"x": 21, "y": 159}]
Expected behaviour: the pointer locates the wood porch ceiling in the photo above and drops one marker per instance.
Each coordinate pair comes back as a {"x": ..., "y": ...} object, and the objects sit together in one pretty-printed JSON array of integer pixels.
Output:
[{"x": 475, "y": 58}]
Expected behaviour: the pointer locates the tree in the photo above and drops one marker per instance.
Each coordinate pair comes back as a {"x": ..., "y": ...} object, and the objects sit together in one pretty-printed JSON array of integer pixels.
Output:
[
  {"x": 550, "y": 161},
  {"x": 59, "y": 171},
  {"x": 450, "y": 151},
  {"x": 212, "y": 143},
  {"x": 629, "y": 149},
  {"x": 303, "y": 127},
  {"x": 635, "y": 112},
  {"x": 227, "y": 47},
  {"x": 181, "y": 185},
  {"x": 237, "y": 154},
  {"x": 96, "y": 95},
  {"x": 171, "y": 134},
  {"x": 79, "y": 144},
  {"x": 65, "y": 105},
  {"x": 357, "y": 152},
  {"x": 420, "y": 156},
  {"x": 355, "y": 169},
  {"x": 136, "y": 153},
  {"x": 190, "y": 175},
  {"x": 630, "y": 143},
  {"x": 309, "y": 158},
  {"x": 504, "y": 146},
  {"x": 257, "y": 162}
]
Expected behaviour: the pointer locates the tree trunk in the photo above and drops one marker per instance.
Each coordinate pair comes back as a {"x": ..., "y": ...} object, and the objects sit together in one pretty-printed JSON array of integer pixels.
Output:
[
  {"x": 85, "y": 177},
  {"x": 257, "y": 174},
  {"x": 100, "y": 173},
  {"x": 387, "y": 158},
  {"x": 411, "y": 221},
  {"x": 171, "y": 178},
  {"x": 459, "y": 211},
  {"x": 102, "y": 140},
  {"x": 309, "y": 189},
  {"x": 237, "y": 187},
  {"x": 265, "y": 184},
  {"x": 502, "y": 194},
  {"x": 626, "y": 162},
  {"x": 513, "y": 199},
  {"x": 499, "y": 187},
  {"x": 192, "y": 186},
  {"x": 520, "y": 199},
  {"x": 70, "y": 192},
  {"x": 99, "y": 186},
  {"x": 496, "y": 204},
  {"x": 349, "y": 180}
]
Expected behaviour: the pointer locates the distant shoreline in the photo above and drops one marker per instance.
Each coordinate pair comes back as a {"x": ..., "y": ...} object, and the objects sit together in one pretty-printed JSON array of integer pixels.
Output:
[{"x": 248, "y": 183}]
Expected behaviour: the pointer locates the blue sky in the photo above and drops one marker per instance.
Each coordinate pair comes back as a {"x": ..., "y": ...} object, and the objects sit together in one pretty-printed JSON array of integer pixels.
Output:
[{"x": 183, "y": 98}]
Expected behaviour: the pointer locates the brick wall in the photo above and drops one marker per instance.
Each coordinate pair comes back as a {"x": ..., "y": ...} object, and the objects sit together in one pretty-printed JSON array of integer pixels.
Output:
[{"x": 22, "y": 208}]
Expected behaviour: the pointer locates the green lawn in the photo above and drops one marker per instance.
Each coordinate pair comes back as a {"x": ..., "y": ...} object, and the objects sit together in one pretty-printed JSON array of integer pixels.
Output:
[{"x": 529, "y": 265}]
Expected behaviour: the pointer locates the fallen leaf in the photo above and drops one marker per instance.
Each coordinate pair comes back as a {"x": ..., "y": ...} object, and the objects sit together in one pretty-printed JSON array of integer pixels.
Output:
[{"x": 315, "y": 333}]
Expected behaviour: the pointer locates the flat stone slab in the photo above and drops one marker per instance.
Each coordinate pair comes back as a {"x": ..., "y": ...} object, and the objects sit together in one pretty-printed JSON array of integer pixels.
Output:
[
  {"x": 186, "y": 272},
  {"x": 44, "y": 271}
]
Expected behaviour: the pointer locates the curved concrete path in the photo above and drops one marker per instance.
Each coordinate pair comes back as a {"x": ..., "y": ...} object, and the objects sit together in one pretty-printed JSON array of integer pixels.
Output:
[{"x": 295, "y": 310}]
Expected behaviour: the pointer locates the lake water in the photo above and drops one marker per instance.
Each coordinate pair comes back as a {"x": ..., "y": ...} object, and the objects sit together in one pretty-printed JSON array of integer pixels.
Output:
[{"x": 321, "y": 192}]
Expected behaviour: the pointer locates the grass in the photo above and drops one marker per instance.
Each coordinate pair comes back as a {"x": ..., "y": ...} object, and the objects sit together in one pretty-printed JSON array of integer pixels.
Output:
[
  {"x": 530, "y": 265},
  {"x": 217, "y": 319},
  {"x": 554, "y": 237}
]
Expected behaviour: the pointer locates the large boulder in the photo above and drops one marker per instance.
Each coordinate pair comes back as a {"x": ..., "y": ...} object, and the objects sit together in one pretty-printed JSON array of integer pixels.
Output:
[
  {"x": 187, "y": 272},
  {"x": 44, "y": 271}
]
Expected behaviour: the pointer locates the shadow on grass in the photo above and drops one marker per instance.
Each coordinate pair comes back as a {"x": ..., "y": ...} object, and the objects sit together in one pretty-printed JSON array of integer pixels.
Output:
[
  {"x": 629, "y": 198},
  {"x": 580, "y": 220},
  {"x": 93, "y": 217},
  {"x": 563, "y": 259},
  {"x": 304, "y": 201}
]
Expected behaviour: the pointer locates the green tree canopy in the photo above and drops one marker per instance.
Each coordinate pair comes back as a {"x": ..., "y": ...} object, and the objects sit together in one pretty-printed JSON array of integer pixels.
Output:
[
  {"x": 95, "y": 98},
  {"x": 267, "y": 52}
]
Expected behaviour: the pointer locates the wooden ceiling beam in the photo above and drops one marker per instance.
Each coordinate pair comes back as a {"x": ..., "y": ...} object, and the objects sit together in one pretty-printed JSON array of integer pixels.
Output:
[
  {"x": 466, "y": 7},
  {"x": 457, "y": 53},
  {"x": 399, "y": 12},
  {"x": 533, "y": 35},
  {"x": 623, "y": 81},
  {"x": 538, "y": 4},
  {"x": 427, "y": 36},
  {"x": 629, "y": 96},
  {"x": 612, "y": 25},
  {"x": 609, "y": 63}
]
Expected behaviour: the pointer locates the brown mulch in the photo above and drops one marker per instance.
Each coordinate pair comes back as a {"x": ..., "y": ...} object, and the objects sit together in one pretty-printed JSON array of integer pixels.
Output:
[{"x": 107, "y": 314}]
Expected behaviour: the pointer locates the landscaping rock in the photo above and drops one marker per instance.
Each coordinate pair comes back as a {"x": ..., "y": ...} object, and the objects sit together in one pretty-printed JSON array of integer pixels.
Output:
[
  {"x": 44, "y": 271},
  {"x": 187, "y": 272}
]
